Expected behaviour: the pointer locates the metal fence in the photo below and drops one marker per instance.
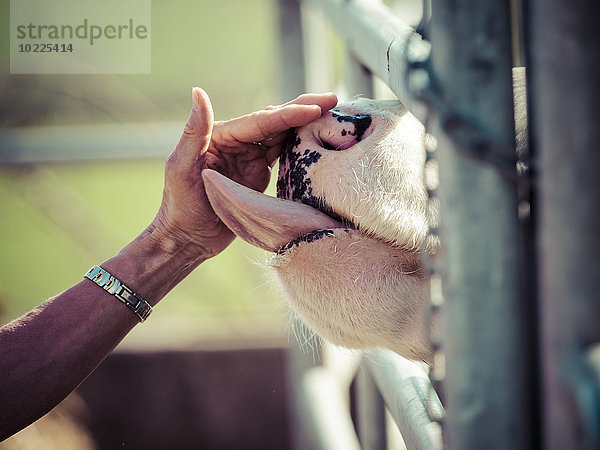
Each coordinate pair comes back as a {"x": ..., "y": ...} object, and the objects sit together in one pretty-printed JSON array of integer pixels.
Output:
[
  {"x": 520, "y": 251},
  {"x": 377, "y": 44},
  {"x": 520, "y": 351}
]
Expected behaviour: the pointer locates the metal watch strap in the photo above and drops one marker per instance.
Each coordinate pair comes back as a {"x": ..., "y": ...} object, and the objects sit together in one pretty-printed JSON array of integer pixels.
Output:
[{"x": 110, "y": 284}]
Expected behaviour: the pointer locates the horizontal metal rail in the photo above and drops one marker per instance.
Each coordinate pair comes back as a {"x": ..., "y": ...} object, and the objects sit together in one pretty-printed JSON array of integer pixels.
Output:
[
  {"x": 384, "y": 44},
  {"x": 67, "y": 143},
  {"x": 410, "y": 398}
]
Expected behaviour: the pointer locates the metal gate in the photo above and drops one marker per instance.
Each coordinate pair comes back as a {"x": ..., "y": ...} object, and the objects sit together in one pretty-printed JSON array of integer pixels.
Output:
[{"x": 519, "y": 356}]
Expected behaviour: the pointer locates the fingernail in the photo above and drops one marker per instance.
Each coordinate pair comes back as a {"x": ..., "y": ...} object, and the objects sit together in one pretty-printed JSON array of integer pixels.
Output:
[{"x": 195, "y": 98}]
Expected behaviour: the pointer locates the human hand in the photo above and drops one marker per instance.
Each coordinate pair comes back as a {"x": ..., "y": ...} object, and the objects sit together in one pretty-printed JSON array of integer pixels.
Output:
[{"x": 243, "y": 149}]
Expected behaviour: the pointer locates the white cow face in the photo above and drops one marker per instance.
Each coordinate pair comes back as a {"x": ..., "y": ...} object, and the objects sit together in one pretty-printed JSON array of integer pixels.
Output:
[
  {"x": 349, "y": 226},
  {"x": 361, "y": 163}
]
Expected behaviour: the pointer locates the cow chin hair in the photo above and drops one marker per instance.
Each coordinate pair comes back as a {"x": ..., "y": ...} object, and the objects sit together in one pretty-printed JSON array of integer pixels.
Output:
[{"x": 357, "y": 292}]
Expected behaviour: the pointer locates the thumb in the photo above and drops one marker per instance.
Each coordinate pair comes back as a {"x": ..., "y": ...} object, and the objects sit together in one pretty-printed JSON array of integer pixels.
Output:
[{"x": 197, "y": 131}]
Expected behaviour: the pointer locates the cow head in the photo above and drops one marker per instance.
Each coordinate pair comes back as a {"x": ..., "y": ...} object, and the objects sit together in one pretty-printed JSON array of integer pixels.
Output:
[{"x": 348, "y": 227}]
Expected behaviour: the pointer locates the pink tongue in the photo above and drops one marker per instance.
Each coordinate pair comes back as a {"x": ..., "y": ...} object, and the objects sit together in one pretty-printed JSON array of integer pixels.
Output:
[{"x": 261, "y": 220}]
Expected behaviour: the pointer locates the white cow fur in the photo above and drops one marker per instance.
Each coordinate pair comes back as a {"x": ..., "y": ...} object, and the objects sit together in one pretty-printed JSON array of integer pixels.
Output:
[
  {"x": 360, "y": 286},
  {"x": 366, "y": 288}
]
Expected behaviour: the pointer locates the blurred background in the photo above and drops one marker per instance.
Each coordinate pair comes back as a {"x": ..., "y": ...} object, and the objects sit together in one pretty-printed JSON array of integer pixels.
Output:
[
  {"x": 59, "y": 218},
  {"x": 91, "y": 151},
  {"x": 81, "y": 174}
]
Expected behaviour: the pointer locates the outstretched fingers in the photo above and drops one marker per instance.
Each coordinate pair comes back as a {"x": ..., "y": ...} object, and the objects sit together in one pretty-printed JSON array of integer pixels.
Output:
[
  {"x": 272, "y": 121},
  {"x": 325, "y": 101},
  {"x": 265, "y": 124}
]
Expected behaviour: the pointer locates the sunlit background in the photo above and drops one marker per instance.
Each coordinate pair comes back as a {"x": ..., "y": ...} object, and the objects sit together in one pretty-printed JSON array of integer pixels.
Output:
[
  {"x": 103, "y": 186},
  {"x": 95, "y": 146},
  {"x": 58, "y": 219}
]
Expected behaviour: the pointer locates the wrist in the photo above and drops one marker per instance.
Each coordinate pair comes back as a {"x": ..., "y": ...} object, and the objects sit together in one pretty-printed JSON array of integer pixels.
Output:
[
  {"x": 204, "y": 236},
  {"x": 170, "y": 241},
  {"x": 154, "y": 262}
]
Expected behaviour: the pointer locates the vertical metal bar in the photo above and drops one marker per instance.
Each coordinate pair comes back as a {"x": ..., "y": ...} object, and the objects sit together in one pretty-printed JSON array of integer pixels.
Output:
[
  {"x": 371, "y": 408},
  {"x": 316, "y": 50},
  {"x": 486, "y": 337},
  {"x": 406, "y": 389},
  {"x": 326, "y": 419},
  {"x": 371, "y": 412},
  {"x": 301, "y": 361},
  {"x": 564, "y": 74},
  {"x": 359, "y": 80},
  {"x": 291, "y": 53}
]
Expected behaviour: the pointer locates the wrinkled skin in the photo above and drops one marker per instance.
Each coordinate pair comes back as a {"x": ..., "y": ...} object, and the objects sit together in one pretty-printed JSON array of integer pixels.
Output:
[{"x": 243, "y": 149}]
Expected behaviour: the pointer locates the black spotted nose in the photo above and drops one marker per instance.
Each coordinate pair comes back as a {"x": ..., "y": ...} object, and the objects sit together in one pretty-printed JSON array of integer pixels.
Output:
[
  {"x": 361, "y": 123},
  {"x": 339, "y": 131}
]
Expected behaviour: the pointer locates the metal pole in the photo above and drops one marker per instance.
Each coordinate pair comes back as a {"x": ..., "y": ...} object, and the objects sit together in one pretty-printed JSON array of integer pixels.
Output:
[
  {"x": 359, "y": 79},
  {"x": 371, "y": 408},
  {"x": 317, "y": 53},
  {"x": 300, "y": 360},
  {"x": 486, "y": 338},
  {"x": 291, "y": 54},
  {"x": 380, "y": 41},
  {"x": 406, "y": 391},
  {"x": 371, "y": 412},
  {"x": 564, "y": 71},
  {"x": 325, "y": 416}
]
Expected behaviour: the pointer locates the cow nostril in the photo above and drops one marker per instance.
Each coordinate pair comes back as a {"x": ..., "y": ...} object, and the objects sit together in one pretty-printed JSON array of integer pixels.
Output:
[
  {"x": 327, "y": 145},
  {"x": 361, "y": 122},
  {"x": 339, "y": 131}
]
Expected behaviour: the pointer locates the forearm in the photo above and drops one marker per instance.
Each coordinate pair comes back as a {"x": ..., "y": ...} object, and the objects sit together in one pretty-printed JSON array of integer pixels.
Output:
[
  {"x": 47, "y": 353},
  {"x": 50, "y": 351}
]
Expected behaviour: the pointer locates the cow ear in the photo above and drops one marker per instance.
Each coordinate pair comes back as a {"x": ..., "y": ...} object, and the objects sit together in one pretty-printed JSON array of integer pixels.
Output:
[{"x": 261, "y": 220}]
